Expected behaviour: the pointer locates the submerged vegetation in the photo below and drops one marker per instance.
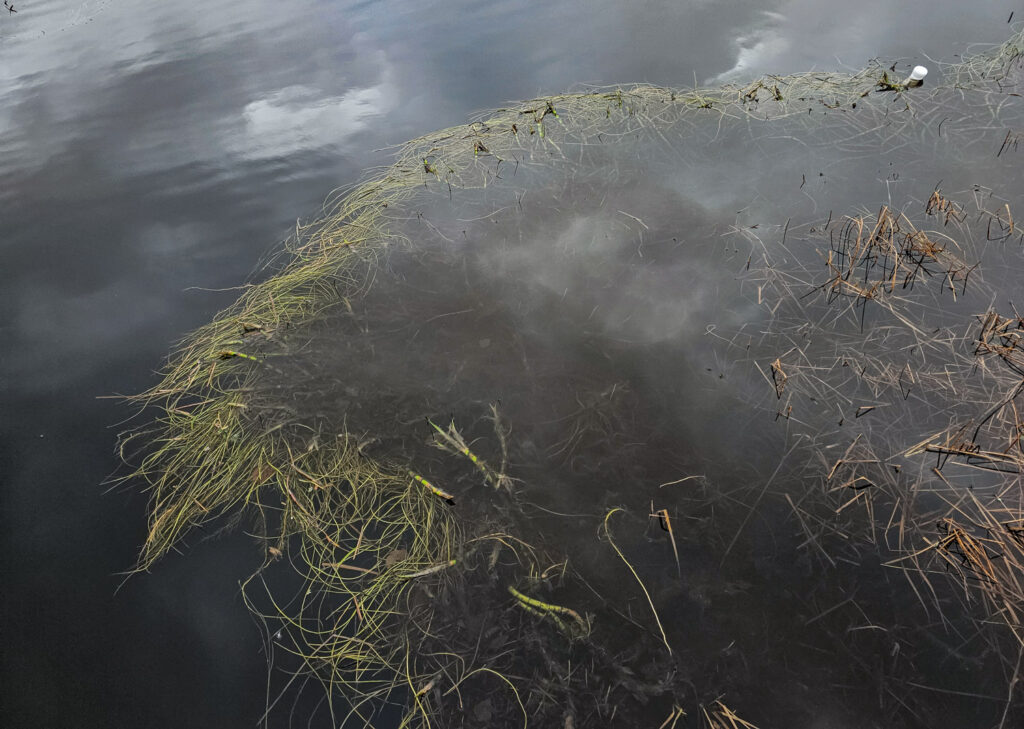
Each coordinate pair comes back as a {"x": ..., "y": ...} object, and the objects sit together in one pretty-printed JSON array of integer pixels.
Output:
[{"x": 563, "y": 557}]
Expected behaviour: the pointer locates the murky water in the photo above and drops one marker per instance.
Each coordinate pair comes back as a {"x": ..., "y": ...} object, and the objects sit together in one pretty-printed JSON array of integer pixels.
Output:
[
  {"x": 626, "y": 321},
  {"x": 146, "y": 149}
]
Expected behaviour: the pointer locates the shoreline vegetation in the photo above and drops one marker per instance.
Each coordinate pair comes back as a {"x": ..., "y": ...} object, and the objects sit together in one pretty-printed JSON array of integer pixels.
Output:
[{"x": 415, "y": 592}]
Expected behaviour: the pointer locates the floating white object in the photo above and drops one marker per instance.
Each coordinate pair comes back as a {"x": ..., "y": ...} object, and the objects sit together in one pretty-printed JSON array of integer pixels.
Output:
[{"x": 916, "y": 76}]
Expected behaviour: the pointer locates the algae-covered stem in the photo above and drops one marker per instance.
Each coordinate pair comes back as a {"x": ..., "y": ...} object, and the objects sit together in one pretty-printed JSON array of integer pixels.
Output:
[
  {"x": 432, "y": 488},
  {"x": 553, "y": 611}
]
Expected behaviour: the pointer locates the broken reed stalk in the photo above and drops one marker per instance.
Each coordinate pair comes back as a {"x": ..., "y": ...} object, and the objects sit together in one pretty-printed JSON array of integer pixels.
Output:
[
  {"x": 987, "y": 555},
  {"x": 666, "y": 524},
  {"x": 673, "y": 718},
  {"x": 720, "y": 716}
]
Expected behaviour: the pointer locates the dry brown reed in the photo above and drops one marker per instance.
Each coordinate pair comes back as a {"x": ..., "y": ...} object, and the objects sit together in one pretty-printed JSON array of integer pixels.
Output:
[
  {"x": 720, "y": 716},
  {"x": 947, "y": 504}
]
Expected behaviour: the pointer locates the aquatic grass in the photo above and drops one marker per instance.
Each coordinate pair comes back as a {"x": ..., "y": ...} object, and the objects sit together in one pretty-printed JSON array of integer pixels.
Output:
[
  {"x": 989, "y": 68},
  {"x": 327, "y": 261},
  {"x": 375, "y": 540},
  {"x": 346, "y": 621},
  {"x": 720, "y": 716}
]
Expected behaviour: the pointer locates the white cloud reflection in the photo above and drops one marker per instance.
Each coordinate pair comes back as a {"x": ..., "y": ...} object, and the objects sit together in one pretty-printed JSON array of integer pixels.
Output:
[
  {"x": 299, "y": 117},
  {"x": 754, "y": 48}
]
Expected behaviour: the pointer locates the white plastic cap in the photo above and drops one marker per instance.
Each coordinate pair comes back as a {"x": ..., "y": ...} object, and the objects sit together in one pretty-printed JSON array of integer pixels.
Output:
[{"x": 918, "y": 73}]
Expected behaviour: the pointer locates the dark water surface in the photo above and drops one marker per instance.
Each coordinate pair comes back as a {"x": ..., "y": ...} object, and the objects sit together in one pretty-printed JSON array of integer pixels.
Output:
[{"x": 151, "y": 152}]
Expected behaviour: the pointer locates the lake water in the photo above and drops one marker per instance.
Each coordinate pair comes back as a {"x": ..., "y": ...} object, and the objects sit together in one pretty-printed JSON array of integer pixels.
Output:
[{"x": 151, "y": 154}]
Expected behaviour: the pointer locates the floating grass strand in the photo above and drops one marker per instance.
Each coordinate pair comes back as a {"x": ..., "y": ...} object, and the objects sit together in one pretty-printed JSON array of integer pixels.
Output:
[{"x": 650, "y": 602}]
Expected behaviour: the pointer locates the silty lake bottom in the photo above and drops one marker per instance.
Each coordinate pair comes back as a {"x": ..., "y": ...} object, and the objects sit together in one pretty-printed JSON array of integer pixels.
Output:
[{"x": 636, "y": 407}]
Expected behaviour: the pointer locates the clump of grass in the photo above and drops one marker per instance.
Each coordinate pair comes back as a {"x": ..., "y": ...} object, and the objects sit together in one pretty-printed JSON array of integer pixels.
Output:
[
  {"x": 872, "y": 257},
  {"x": 992, "y": 68},
  {"x": 1004, "y": 338}
]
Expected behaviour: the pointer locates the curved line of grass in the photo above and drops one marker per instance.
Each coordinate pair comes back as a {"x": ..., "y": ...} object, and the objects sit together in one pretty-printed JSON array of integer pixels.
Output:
[{"x": 207, "y": 461}]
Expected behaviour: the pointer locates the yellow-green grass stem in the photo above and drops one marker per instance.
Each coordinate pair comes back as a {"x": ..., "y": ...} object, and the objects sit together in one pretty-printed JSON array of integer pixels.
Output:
[{"x": 608, "y": 535}]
